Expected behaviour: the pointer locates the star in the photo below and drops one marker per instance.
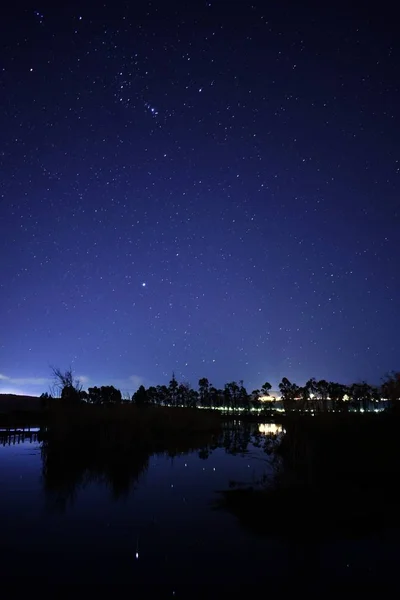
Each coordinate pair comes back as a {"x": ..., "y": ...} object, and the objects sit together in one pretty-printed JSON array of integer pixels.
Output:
[{"x": 263, "y": 210}]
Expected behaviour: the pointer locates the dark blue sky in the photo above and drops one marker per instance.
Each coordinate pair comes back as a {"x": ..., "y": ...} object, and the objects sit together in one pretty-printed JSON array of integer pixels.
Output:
[{"x": 206, "y": 187}]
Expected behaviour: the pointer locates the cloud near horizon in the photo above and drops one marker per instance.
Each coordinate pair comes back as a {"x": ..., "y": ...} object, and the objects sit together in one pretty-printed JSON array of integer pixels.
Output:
[
  {"x": 33, "y": 386},
  {"x": 30, "y": 386},
  {"x": 25, "y": 380}
]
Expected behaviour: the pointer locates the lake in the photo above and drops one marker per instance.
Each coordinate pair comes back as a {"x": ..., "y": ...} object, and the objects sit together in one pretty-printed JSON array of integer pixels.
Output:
[{"x": 158, "y": 525}]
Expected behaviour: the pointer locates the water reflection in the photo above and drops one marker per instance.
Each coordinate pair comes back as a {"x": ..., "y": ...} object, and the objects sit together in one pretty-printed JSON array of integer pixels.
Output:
[
  {"x": 65, "y": 472},
  {"x": 166, "y": 531},
  {"x": 70, "y": 467},
  {"x": 10, "y": 437},
  {"x": 270, "y": 428},
  {"x": 67, "y": 469}
]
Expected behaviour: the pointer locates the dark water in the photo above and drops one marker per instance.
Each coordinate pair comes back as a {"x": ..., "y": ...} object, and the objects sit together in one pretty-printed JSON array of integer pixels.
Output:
[{"x": 162, "y": 530}]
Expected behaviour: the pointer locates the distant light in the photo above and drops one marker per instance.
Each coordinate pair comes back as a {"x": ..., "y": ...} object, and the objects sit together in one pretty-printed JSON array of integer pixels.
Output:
[
  {"x": 137, "y": 555},
  {"x": 144, "y": 284},
  {"x": 268, "y": 428}
]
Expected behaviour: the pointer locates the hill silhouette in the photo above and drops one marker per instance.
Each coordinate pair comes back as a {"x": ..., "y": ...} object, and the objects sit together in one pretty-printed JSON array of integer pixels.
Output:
[{"x": 15, "y": 403}]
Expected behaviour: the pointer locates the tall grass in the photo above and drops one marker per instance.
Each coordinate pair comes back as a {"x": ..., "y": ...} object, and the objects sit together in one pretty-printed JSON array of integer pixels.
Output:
[{"x": 123, "y": 425}]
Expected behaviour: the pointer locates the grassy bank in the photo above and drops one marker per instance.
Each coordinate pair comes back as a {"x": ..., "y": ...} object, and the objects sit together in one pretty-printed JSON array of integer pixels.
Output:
[
  {"x": 149, "y": 422},
  {"x": 125, "y": 424},
  {"x": 334, "y": 475}
]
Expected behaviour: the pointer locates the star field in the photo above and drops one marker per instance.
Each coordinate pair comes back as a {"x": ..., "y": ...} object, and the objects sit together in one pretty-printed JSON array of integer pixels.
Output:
[{"x": 209, "y": 188}]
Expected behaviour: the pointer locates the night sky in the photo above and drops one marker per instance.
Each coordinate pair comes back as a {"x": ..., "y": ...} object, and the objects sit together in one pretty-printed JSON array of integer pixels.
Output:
[{"x": 210, "y": 188}]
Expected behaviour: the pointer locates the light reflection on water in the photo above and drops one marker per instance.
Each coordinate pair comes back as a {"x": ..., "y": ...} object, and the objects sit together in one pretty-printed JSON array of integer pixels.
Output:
[
  {"x": 269, "y": 428},
  {"x": 161, "y": 527}
]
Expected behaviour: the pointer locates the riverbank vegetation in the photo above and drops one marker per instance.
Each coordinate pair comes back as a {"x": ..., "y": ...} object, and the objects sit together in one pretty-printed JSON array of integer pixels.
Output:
[
  {"x": 316, "y": 396},
  {"x": 120, "y": 426},
  {"x": 333, "y": 475}
]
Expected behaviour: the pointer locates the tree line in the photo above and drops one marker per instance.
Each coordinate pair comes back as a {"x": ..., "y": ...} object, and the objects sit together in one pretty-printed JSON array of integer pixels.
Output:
[{"x": 315, "y": 395}]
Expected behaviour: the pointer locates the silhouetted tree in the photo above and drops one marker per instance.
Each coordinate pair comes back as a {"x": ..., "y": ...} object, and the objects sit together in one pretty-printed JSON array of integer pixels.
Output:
[
  {"x": 140, "y": 397},
  {"x": 337, "y": 393},
  {"x": 361, "y": 395},
  {"x": 231, "y": 395},
  {"x": 173, "y": 391},
  {"x": 45, "y": 400},
  {"x": 183, "y": 394},
  {"x": 289, "y": 392},
  {"x": 255, "y": 399},
  {"x": 70, "y": 388},
  {"x": 204, "y": 392},
  {"x": 312, "y": 388},
  {"x": 193, "y": 398},
  {"x": 106, "y": 394},
  {"x": 152, "y": 395},
  {"x": 235, "y": 388},
  {"x": 318, "y": 394},
  {"x": 244, "y": 399},
  {"x": 227, "y": 397},
  {"x": 162, "y": 395},
  {"x": 303, "y": 402},
  {"x": 268, "y": 406},
  {"x": 94, "y": 395},
  {"x": 216, "y": 397},
  {"x": 266, "y": 388},
  {"x": 111, "y": 395},
  {"x": 390, "y": 390},
  {"x": 323, "y": 394}
]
